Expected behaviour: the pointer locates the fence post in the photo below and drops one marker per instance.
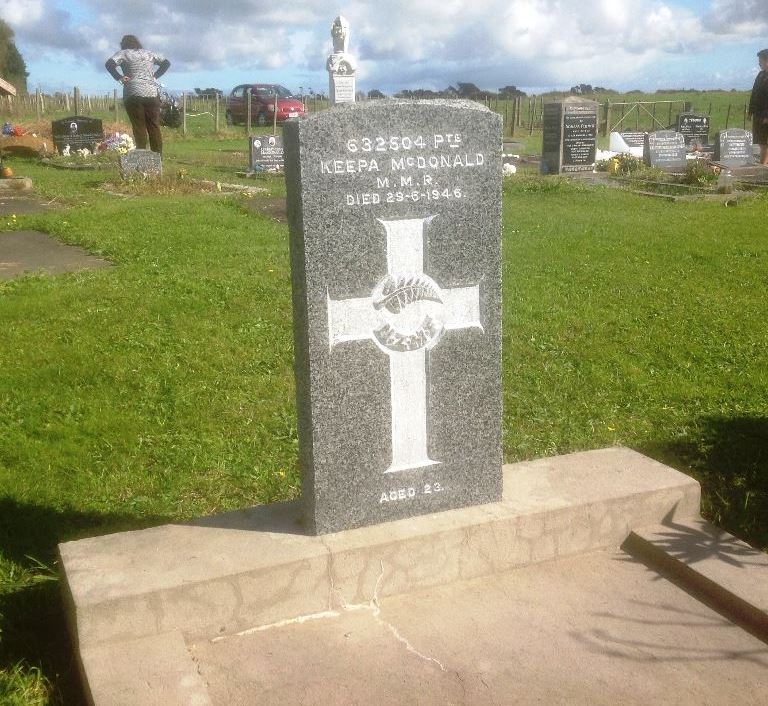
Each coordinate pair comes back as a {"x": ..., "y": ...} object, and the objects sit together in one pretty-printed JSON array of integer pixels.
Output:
[
  {"x": 746, "y": 110},
  {"x": 248, "y": 115},
  {"x": 76, "y": 99},
  {"x": 216, "y": 114},
  {"x": 117, "y": 107},
  {"x": 514, "y": 117},
  {"x": 607, "y": 129},
  {"x": 274, "y": 116},
  {"x": 727, "y": 116},
  {"x": 184, "y": 113},
  {"x": 38, "y": 105},
  {"x": 669, "y": 117}
]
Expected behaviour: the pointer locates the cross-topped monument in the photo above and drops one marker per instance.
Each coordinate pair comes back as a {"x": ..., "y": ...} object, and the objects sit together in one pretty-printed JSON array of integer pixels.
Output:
[{"x": 395, "y": 213}]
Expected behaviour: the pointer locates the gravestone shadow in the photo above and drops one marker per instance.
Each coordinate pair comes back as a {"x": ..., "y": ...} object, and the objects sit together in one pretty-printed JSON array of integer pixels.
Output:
[{"x": 729, "y": 457}]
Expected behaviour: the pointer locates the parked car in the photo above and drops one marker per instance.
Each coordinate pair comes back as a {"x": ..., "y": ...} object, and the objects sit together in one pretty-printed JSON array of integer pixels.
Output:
[{"x": 262, "y": 104}]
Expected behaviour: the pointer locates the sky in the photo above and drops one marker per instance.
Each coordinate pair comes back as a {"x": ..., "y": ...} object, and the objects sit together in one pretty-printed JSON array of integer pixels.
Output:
[{"x": 536, "y": 45}]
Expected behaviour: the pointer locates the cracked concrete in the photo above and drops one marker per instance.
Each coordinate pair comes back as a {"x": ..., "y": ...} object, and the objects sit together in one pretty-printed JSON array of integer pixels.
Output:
[{"x": 598, "y": 629}]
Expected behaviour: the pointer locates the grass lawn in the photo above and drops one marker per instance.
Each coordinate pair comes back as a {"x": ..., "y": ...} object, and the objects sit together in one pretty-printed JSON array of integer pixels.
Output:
[{"x": 162, "y": 389}]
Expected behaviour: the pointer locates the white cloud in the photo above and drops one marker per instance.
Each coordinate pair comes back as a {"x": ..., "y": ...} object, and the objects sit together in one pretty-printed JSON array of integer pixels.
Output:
[
  {"x": 746, "y": 19},
  {"x": 399, "y": 43}
]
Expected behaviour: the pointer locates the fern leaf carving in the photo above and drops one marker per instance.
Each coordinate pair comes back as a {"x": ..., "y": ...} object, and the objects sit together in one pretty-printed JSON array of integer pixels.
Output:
[{"x": 399, "y": 292}]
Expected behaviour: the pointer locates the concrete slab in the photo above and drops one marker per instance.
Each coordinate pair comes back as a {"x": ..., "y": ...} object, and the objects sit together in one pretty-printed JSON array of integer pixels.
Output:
[
  {"x": 152, "y": 671},
  {"x": 598, "y": 629},
  {"x": 729, "y": 572},
  {"x": 223, "y": 574},
  {"x": 28, "y": 251},
  {"x": 22, "y": 205}
]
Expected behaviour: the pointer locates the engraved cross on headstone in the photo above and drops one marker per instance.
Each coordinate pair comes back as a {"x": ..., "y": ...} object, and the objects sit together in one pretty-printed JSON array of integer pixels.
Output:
[{"x": 405, "y": 316}]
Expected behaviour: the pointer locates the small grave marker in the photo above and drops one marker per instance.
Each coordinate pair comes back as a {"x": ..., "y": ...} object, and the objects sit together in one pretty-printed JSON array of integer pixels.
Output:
[
  {"x": 266, "y": 153},
  {"x": 733, "y": 148},
  {"x": 77, "y": 131},
  {"x": 694, "y": 127},
  {"x": 570, "y": 136},
  {"x": 143, "y": 162},
  {"x": 665, "y": 149},
  {"x": 395, "y": 214}
]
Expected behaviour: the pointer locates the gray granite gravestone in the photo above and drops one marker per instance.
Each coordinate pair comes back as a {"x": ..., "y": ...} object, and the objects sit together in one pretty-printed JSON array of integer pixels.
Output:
[
  {"x": 733, "y": 148},
  {"x": 665, "y": 149},
  {"x": 266, "y": 153},
  {"x": 694, "y": 127},
  {"x": 570, "y": 136},
  {"x": 395, "y": 216},
  {"x": 141, "y": 162}
]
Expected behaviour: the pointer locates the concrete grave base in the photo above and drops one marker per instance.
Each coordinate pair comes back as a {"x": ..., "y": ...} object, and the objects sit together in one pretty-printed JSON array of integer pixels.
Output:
[{"x": 456, "y": 607}]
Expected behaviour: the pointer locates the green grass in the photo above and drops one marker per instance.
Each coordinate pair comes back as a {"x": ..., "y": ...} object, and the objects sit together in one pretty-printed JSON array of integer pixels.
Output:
[{"x": 162, "y": 389}]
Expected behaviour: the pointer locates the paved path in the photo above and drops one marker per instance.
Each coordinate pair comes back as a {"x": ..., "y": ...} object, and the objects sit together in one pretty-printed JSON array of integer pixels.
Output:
[{"x": 27, "y": 251}]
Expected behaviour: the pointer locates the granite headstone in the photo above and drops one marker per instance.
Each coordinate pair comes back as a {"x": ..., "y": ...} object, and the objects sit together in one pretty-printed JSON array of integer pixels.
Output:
[
  {"x": 341, "y": 65},
  {"x": 694, "y": 127},
  {"x": 141, "y": 162},
  {"x": 733, "y": 148},
  {"x": 77, "y": 131},
  {"x": 665, "y": 149},
  {"x": 266, "y": 153},
  {"x": 395, "y": 218},
  {"x": 570, "y": 136}
]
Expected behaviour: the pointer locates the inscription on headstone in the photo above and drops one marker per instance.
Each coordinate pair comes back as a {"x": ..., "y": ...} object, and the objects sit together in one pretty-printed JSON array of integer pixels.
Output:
[
  {"x": 77, "y": 131},
  {"x": 395, "y": 214},
  {"x": 141, "y": 162},
  {"x": 570, "y": 136},
  {"x": 733, "y": 148},
  {"x": 266, "y": 152},
  {"x": 665, "y": 149},
  {"x": 694, "y": 127}
]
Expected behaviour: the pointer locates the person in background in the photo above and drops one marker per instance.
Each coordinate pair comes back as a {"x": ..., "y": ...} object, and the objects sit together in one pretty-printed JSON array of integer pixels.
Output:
[
  {"x": 141, "y": 91},
  {"x": 758, "y": 107}
]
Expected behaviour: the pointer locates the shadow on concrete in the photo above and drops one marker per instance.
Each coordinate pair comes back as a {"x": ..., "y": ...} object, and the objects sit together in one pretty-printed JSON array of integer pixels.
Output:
[
  {"x": 32, "y": 615},
  {"x": 620, "y": 644},
  {"x": 280, "y": 518},
  {"x": 729, "y": 457}
]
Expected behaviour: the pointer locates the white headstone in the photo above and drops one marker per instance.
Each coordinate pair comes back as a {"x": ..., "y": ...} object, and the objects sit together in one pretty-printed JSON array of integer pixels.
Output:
[{"x": 341, "y": 65}]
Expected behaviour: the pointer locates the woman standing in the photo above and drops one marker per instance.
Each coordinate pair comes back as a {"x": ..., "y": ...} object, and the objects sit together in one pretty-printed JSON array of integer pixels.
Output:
[
  {"x": 758, "y": 107},
  {"x": 140, "y": 89}
]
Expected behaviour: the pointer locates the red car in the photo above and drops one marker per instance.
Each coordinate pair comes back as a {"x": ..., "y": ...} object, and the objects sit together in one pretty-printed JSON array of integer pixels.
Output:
[{"x": 262, "y": 104}]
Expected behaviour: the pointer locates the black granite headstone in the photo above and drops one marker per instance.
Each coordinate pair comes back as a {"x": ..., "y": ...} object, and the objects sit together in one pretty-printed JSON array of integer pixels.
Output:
[
  {"x": 570, "y": 136},
  {"x": 77, "y": 131},
  {"x": 143, "y": 162},
  {"x": 395, "y": 216},
  {"x": 266, "y": 153},
  {"x": 665, "y": 149},
  {"x": 733, "y": 148},
  {"x": 694, "y": 127}
]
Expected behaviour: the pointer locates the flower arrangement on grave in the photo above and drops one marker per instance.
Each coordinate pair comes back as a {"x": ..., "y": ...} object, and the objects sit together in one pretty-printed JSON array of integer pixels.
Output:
[{"x": 117, "y": 142}]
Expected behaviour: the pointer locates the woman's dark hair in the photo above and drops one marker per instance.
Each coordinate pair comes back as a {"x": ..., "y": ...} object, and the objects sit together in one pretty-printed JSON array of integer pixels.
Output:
[
  {"x": 129, "y": 41},
  {"x": 762, "y": 54}
]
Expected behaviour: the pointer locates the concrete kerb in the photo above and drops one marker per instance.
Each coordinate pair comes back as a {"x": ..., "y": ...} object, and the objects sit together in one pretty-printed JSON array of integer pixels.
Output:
[{"x": 231, "y": 573}]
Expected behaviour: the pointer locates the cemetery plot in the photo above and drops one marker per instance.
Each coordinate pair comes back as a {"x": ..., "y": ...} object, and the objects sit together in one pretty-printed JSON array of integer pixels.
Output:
[
  {"x": 395, "y": 240},
  {"x": 665, "y": 149},
  {"x": 144, "y": 163},
  {"x": 694, "y": 127},
  {"x": 77, "y": 132},
  {"x": 733, "y": 148},
  {"x": 266, "y": 153}
]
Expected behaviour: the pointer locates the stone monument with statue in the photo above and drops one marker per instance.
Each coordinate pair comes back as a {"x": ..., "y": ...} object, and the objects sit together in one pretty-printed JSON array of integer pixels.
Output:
[{"x": 341, "y": 65}]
